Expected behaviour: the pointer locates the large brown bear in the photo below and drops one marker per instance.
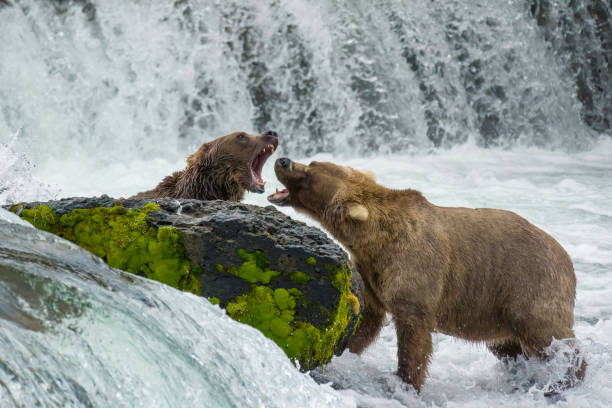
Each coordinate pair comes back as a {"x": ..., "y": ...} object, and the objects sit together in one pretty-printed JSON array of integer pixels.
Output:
[
  {"x": 222, "y": 169},
  {"x": 477, "y": 274}
]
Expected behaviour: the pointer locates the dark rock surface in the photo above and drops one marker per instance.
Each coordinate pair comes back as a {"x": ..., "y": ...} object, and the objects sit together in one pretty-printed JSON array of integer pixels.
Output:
[{"x": 216, "y": 236}]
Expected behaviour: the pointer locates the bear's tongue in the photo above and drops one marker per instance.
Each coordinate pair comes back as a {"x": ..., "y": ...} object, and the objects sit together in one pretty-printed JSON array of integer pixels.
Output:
[{"x": 279, "y": 197}]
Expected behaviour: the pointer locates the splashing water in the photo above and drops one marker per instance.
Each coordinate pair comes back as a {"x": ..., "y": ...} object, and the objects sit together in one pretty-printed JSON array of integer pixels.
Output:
[{"x": 16, "y": 180}]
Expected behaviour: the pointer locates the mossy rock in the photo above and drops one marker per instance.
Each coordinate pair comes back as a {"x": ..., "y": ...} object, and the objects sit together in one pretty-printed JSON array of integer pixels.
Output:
[{"x": 278, "y": 275}]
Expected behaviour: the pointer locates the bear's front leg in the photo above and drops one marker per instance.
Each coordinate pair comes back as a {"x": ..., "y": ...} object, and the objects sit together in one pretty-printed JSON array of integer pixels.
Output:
[
  {"x": 372, "y": 319},
  {"x": 414, "y": 348}
]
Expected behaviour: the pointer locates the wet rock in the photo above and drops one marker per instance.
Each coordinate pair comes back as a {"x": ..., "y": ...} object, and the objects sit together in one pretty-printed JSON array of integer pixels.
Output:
[{"x": 279, "y": 275}]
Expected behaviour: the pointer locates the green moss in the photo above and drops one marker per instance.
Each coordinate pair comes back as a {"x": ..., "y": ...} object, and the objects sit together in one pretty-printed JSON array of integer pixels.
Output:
[
  {"x": 254, "y": 269},
  {"x": 42, "y": 218},
  {"x": 272, "y": 312},
  {"x": 311, "y": 261},
  {"x": 280, "y": 328},
  {"x": 300, "y": 277},
  {"x": 341, "y": 280},
  {"x": 283, "y": 299},
  {"x": 190, "y": 282},
  {"x": 124, "y": 240},
  {"x": 295, "y": 292},
  {"x": 214, "y": 300},
  {"x": 219, "y": 267}
]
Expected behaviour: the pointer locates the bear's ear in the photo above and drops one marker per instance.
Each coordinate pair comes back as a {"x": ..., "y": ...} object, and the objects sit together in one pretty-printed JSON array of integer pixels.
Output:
[
  {"x": 358, "y": 212},
  {"x": 201, "y": 155},
  {"x": 191, "y": 159},
  {"x": 368, "y": 174}
]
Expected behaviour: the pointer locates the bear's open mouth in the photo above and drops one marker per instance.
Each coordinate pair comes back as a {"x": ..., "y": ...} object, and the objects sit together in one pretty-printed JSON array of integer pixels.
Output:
[
  {"x": 280, "y": 197},
  {"x": 257, "y": 163}
]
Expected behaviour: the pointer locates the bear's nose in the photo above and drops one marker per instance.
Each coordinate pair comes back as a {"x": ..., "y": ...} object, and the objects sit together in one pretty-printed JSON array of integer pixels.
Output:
[
  {"x": 283, "y": 162},
  {"x": 271, "y": 133}
]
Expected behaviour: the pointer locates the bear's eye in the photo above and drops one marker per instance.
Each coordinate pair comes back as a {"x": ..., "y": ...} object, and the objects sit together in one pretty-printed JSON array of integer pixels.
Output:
[{"x": 241, "y": 136}]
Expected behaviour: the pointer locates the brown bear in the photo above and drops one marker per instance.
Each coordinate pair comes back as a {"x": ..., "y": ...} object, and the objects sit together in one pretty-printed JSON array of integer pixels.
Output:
[
  {"x": 477, "y": 274},
  {"x": 222, "y": 169}
]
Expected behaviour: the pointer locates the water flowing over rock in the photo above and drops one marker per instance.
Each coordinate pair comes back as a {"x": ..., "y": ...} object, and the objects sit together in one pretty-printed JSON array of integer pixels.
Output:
[
  {"x": 76, "y": 332},
  {"x": 281, "y": 276}
]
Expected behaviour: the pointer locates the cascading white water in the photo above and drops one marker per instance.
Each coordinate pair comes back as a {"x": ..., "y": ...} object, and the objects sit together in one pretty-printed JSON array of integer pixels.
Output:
[{"x": 118, "y": 80}]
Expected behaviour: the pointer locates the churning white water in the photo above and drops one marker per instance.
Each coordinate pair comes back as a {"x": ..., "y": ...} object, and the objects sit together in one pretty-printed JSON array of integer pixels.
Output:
[{"x": 463, "y": 100}]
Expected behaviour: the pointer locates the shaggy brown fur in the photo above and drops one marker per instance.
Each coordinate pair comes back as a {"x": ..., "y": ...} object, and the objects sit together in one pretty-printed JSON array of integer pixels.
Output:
[
  {"x": 220, "y": 170},
  {"x": 477, "y": 274}
]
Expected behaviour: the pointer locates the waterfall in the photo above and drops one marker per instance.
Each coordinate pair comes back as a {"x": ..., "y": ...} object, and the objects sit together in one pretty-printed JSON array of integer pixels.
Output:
[{"x": 116, "y": 80}]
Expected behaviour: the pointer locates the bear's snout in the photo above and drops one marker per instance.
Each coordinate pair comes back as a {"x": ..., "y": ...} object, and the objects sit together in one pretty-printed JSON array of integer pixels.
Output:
[
  {"x": 283, "y": 163},
  {"x": 271, "y": 133}
]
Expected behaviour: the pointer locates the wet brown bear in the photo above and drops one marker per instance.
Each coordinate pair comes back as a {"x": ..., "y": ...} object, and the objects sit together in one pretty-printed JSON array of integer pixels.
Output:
[
  {"x": 477, "y": 274},
  {"x": 222, "y": 169}
]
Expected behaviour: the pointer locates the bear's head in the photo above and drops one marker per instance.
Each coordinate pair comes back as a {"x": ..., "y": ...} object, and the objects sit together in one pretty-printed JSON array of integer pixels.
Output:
[
  {"x": 237, "y": 157},
  {"x": 329, "y": 193}
]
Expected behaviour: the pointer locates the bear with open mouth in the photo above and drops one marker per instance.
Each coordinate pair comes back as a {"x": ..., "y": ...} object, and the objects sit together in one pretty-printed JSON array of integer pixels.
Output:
[
  {"x": 222, "y": 169},
  {"x": 482, "y": 275}
]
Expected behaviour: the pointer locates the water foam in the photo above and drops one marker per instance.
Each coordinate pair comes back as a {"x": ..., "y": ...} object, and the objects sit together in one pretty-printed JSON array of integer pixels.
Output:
[{"x": 17, "y": 182}]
